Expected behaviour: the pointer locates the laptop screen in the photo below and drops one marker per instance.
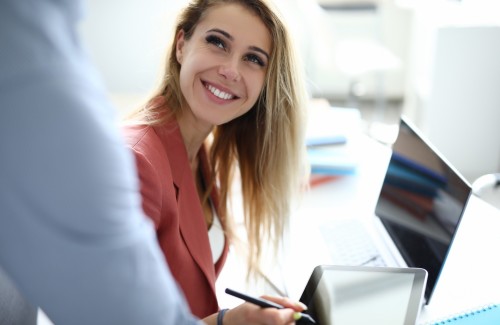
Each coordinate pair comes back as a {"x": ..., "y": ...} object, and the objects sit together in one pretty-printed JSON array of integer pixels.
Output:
[{"x": 421, "y": 202}]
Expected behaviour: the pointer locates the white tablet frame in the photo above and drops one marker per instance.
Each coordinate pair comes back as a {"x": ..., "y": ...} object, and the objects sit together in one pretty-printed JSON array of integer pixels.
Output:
[{"x": 415, "y": 302}]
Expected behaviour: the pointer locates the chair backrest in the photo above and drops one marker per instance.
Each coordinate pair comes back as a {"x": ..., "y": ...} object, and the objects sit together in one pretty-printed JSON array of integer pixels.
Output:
[
  {"x": 487, "y": 187},
  {"x": 14, "y": 309}
]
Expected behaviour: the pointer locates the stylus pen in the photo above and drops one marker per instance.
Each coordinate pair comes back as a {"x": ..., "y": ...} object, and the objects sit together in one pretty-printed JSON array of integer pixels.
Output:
[{"x": 266, "y": 304}]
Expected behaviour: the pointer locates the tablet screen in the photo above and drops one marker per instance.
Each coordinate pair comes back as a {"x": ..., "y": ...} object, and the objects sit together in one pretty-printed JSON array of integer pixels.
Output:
[{"x": 343, "y": 295}]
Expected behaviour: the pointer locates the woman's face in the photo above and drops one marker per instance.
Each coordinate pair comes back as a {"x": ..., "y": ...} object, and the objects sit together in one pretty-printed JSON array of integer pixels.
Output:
[{"x": 224, "y": 64}]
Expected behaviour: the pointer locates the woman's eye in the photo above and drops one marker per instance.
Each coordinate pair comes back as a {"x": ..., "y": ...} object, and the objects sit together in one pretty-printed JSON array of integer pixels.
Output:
[
  {"x": 255, "y": 59},
  {"x": 212, "y": 39}
]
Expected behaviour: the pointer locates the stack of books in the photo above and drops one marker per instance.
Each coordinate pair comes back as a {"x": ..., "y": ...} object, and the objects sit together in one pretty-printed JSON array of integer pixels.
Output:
[{"x": 329, "y": 140}]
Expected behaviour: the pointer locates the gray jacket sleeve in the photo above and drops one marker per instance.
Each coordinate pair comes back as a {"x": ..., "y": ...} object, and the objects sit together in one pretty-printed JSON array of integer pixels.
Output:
[{"x": 73, "y": 237}]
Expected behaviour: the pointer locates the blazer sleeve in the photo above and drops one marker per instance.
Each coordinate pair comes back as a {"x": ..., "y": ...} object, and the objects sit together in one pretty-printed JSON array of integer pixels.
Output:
[{"x": 150, "y": 187}]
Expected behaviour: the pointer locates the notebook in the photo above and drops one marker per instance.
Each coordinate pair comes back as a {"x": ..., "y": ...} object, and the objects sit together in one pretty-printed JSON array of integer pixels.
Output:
[
  {"x": 417, "y": 213},
  {"x": 485, "y": 315}
]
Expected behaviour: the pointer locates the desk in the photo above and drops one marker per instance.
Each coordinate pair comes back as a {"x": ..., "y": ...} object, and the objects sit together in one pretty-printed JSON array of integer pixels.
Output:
[{"x": 470, "y": 275}]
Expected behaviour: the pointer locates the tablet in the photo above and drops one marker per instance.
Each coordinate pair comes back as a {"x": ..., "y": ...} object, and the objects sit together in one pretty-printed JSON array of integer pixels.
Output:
[{"x": 353, "y": 295}]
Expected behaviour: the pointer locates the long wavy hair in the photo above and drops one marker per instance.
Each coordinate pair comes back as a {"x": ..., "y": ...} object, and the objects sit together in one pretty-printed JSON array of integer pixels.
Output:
[{"x": 265, "y": 147}]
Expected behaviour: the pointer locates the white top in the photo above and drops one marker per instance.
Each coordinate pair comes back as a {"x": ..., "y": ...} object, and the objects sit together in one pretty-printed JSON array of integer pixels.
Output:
[{"x": 216, "y": 237}]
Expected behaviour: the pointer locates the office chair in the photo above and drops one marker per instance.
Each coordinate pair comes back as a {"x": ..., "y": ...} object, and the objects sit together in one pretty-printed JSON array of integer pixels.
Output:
[{"x": 487, "y": 187}]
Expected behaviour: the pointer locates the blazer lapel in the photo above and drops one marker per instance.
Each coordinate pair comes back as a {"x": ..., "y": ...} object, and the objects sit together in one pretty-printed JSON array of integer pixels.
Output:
[
  {"x": 192, "y": 223},
  {"x": 214, "y": 195}
]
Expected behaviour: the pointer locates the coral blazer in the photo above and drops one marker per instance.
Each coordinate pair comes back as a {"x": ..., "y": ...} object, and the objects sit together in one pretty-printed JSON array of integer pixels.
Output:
[{"x": 171, "y": 200}]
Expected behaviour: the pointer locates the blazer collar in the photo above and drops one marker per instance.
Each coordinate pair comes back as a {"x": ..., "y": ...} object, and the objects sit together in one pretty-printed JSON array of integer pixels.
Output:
[{"x": 171, "y": 138}]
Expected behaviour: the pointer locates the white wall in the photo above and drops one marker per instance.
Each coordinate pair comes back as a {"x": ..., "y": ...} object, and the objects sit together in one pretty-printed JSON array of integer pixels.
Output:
[
  {"x": 462, "y": 116},
  {"x": 127, "y": 39},
  {"x": 454, "y": 75}
]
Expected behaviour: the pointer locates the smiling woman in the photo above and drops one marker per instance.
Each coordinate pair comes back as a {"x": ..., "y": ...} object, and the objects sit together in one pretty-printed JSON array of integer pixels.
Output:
[
  {"x": 230, "y": 104},
  {"x": 223, "y": 66}
]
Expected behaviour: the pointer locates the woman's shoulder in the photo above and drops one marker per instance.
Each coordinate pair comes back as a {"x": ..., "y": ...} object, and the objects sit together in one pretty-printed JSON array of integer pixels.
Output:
[
  {"x": 147, "y": 147},
  {"x": 145, "y": 140},
  {"x": 137, "y": 133},
  {"x": 156, "y": 142}
]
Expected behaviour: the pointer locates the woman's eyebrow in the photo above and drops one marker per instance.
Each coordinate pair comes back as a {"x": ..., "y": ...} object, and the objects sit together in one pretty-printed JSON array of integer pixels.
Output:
[
  {"x": 230, "y": 37},
  {"x": 258, "y": 49},
  {"x": 223, "y": 32}
]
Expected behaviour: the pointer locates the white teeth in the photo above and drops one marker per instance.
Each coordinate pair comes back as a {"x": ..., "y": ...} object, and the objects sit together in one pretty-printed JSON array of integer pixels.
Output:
[{"x": 218, "y": 93}]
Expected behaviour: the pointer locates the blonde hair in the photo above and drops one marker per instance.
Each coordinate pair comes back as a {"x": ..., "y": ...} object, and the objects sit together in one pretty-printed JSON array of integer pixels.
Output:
[{"x": 265, "y": 145}]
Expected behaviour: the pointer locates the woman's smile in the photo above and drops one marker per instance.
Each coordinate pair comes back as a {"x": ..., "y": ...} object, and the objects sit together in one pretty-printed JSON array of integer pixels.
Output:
[{"x": 219, "y": 92}]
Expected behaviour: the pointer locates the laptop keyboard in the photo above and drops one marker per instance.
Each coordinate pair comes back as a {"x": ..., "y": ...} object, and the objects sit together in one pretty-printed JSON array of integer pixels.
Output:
[{"x": 349, "y": 243}]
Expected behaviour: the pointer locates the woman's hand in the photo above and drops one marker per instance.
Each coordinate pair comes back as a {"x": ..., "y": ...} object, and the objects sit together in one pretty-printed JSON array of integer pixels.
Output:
[{"x": 251, "y": 314}]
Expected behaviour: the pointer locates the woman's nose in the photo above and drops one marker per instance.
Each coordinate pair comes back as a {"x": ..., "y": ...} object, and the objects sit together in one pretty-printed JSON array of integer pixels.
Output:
[{"x": 230, "y": 70}]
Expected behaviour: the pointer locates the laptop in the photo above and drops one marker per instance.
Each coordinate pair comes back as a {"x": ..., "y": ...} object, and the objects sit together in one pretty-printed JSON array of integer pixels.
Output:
[{"x": 417, "y": 213}]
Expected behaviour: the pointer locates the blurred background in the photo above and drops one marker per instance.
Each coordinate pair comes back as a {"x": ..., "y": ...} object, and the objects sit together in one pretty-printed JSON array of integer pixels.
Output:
[{"x": 436, "y": 61}]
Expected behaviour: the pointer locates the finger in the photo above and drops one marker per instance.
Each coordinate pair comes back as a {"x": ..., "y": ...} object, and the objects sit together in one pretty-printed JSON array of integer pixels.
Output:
[
  {"x": 286, "y": 302},
  {"x": 273, "y": 316}
]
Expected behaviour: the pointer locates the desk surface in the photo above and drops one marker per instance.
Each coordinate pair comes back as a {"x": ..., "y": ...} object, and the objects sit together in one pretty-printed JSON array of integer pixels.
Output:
[{"x": 469, "y": 277}]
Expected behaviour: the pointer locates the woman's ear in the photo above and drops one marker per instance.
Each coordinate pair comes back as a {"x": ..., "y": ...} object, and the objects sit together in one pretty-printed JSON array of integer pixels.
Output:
[{"x": 179, "y": 46}]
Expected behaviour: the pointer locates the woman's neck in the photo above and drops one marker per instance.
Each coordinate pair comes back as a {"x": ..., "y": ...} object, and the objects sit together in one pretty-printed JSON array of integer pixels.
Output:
[{"x": 194, "y": 134}]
